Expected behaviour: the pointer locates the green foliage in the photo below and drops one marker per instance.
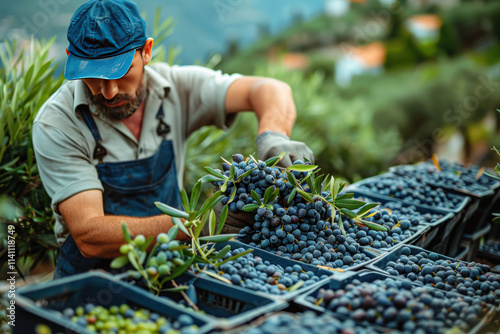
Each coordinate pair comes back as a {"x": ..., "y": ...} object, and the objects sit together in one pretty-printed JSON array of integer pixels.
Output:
[{"x": 26, "y": 81}]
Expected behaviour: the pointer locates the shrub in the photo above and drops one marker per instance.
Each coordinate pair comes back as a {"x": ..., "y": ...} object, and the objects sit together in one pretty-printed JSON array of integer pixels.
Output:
[{"x": 27, "y": 81}]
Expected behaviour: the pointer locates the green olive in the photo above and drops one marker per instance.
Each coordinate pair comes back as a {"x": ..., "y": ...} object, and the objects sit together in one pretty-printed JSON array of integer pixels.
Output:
[
  {"x": 124, "y": 308},
  {"x": 152, "y": 271},
  {"x": 140, "y": 240},
  {"x": 164, "y": 269},
  {"x": 125, "y": 248},
  {"x": 163, "y": 238},
  {"x": 161, "y": 258}
]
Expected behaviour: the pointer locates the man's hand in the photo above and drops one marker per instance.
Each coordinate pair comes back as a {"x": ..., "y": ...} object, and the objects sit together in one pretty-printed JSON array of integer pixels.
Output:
[
  {"x": 234, "y": 221},
  {"x": 271, "y": 144}
]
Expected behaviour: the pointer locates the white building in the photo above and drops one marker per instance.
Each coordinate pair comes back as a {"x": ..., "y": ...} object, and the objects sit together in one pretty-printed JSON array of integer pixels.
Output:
[{"x": 357, "y": 61}]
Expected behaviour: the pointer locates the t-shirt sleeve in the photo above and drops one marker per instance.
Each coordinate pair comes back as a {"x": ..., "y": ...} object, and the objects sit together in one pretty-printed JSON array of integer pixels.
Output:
[
  {"x": 203, "y": 92},
  {"x": 64, "y": 165}
]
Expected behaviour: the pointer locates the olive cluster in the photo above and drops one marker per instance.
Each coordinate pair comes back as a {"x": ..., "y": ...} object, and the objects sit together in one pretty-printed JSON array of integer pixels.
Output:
[
  {"x": 470, "y": 279},
  {"x": 399, "y": 230},
  {"x": 413, "y": 191},
  {"x": 296, "y": 229},
  {"x": 492, "y": 247},
  {"x": 405, "y": 212},
  {"x": 429, "y": 174},
  {"x": 165, "y": 257},
  {"x": 308, "y": 322},
  {"x": 469, "y": 173},
  {"x": 254, "y": 273},
  {"x": 398, "y": 304},
  {"x": 124, "y": 319}
]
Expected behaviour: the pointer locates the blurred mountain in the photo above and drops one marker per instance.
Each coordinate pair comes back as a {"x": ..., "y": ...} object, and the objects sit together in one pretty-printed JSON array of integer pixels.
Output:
[{"x": 201, "y": 27}]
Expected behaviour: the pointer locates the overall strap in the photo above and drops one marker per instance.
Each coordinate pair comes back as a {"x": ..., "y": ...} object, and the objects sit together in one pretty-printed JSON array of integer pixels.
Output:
[
  {"x": 99, "y": 151},
  {"x": 163, "y": 128}
]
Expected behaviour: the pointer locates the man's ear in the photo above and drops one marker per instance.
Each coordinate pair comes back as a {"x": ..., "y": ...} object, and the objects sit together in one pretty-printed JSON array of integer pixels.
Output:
[{"x": 146, "y": 51}]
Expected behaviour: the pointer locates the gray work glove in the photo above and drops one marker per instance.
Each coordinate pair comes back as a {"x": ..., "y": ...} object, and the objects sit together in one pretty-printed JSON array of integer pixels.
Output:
[
  {"x": 271, "y": 144},
  {"x": 234, "y": 221}
]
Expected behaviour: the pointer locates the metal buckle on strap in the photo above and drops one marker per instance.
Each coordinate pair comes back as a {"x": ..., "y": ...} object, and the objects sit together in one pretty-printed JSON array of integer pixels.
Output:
[
  {"x": 163, "y": 128},
  {"x": 99, "y": 151}
]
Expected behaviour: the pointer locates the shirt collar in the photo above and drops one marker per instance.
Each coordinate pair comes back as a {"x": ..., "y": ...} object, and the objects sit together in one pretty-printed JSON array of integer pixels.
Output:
[{"x": 155, "y": 83}]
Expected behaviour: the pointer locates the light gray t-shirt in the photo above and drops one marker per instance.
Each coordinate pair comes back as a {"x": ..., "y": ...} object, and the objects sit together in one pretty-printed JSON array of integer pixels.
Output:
[{"x": 192, "y": 97}]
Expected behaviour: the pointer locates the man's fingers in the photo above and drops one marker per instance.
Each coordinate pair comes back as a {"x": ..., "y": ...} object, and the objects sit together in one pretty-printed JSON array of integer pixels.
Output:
[{"x": 285, "y": 161}]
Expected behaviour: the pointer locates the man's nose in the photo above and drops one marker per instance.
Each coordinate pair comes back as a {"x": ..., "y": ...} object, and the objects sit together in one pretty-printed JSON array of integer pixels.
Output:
[{"x": 109, "y": 89}]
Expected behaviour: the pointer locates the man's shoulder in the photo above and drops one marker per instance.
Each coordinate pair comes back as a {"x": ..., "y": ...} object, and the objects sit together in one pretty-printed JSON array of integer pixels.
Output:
[
  {"x": 59, "y": 109},
  {"x": 175, "y": 71}
]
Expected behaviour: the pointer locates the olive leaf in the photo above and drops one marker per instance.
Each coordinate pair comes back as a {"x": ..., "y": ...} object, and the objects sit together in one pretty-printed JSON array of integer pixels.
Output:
[
  {"x": 366, "y": 208},
  {"x": 126, "y": 233},
  {"x": 177, "y": 222},
  {"x": 292, "y": 195},
  {"x": 218, "y": 238},
  {"x": 234, "y": 257},
  {"x": 292, "y": 179},
  {"x": 305, "y": 195},
  {"x": 233, "y": 195},
  {"x": 350, "y": 204},
  {"x": 119, "y": 262},
  {"x": 250, "y": 207},
  {"x": 210, "y": 178},
  {"x": 213, "y": 172},
  {"x": 172, "y": 233},
  {"x": 348, "y": 213},
  {"x": 184, "y": 200},
  {"x": 222, "y": 219},
  {"x": 301, "y": 168},
  {"x": 268, "y": 193},
  {"x": 210, "y": 203},
  {"x": 255, "y": 197},
  {"x": 171, "y": 211},
  {"x": 248, "y": 172},
  {"x": 211, "y": 222},
  {"x": 222, "y": 252}
]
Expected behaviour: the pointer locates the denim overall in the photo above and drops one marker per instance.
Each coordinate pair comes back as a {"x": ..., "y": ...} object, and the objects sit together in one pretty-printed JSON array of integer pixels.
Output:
[{"x": 130, "y": 189}]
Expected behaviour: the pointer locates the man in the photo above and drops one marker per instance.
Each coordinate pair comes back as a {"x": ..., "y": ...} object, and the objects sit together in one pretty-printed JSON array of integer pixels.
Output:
[{"x": 111, "y": 140}]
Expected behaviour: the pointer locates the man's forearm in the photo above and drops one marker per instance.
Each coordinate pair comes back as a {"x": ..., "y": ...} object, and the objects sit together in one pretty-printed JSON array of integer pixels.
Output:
[
  {"x": 103, "y": 236},
  {"x": 273, "y": 104}
]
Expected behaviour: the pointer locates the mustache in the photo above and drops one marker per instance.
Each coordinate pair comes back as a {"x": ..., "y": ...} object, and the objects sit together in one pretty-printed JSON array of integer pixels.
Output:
[{"x": 116, "y": 99}]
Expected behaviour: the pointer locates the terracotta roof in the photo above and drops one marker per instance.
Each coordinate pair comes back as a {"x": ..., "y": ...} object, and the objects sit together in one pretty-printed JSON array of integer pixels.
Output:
[
  {"x": 295, "y": 60},
  {"x": 371, "y": 55},
  {"x": 429, "y": 22}
]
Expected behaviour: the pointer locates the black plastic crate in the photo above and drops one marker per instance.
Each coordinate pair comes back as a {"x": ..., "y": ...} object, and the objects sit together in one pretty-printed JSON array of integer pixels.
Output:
[
  {"x": 473, "y": 241},
  {"x": 43, "y": 303},
  {"x": 307, "y": 301},
  {"x": 491, "y": 253},
  {"x": 230, "y": 305},
  {"x": 462, "y": 252}
]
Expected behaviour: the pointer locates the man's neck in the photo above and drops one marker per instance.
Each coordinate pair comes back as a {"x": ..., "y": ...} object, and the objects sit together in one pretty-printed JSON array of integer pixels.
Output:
[{"x": 134, "y": 122}]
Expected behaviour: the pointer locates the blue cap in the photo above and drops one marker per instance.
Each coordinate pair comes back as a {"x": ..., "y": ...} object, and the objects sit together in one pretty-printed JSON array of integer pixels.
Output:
[{"x": 103, "y": 36}]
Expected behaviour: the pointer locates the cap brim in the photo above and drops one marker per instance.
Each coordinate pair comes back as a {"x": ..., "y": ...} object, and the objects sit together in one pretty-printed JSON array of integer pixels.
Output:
[{"x": 111, "y": 68}]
